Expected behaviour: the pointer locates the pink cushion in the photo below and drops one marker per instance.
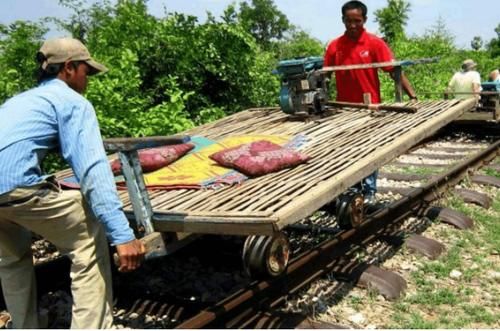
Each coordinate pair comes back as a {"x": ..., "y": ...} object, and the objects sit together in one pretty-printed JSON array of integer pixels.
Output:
[
  {"x": 152, "y": 159},
  {"x": 259, "y": 158}
]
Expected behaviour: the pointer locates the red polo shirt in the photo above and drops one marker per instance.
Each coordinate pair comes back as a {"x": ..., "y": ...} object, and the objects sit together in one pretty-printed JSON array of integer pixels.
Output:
[{"x": 351, "y": 84}]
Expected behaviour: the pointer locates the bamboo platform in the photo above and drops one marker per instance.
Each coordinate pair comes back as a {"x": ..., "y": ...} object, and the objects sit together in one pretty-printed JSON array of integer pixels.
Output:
[{"x": 345, "y": 147}]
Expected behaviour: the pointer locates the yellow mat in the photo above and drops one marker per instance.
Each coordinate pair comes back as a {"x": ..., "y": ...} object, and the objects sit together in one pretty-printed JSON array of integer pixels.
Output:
[{"x": 197, "y": 170}]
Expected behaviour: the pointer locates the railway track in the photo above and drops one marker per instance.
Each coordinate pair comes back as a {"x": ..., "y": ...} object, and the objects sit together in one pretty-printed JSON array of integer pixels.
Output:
[
  {"x": 166, "y": 295},
  {"x": 337, "y": 254}
]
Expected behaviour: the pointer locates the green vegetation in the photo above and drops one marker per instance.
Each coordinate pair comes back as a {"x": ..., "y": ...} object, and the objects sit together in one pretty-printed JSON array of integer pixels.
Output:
[
  {"x": 430, "y": 81},
  {"x": 494, "y": 44},
  {"x": 492, "y": 172},
  {"x": 173, "y": 72},
  {"x": 392, "y": 19},
  {"x": 414, "y": 321},
  {"x": 356, "y": 302},
  {"x": 442, "y": 268},
  {"x": 413, "y": 170}
]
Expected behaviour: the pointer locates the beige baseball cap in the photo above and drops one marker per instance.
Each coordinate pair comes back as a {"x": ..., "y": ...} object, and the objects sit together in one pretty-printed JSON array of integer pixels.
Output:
[{"x": 60, "y": 50}]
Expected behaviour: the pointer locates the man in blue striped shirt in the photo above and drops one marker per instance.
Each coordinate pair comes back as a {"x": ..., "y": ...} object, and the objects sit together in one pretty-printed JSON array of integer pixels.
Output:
[{"x": 56, "y": 115}]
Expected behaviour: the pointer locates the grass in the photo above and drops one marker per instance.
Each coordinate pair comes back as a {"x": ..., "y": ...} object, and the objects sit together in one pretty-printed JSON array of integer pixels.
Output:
[
  {"x": 413, "y": 320},
  {"x": 492, "y": 172},
  {"x": 412, "y": 170},
  {"x": 455, "y": 318},
  {"x": 356, "y": 302},
  {"x": 443, "y": 267},
  {"x": 435, "y": 297},
  {"x": 477, "y": 313}
]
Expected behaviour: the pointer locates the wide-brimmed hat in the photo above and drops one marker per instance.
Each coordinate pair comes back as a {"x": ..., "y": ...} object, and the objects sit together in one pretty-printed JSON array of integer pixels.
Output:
[
  {"x": 60, "y": 50},
  {"x": 468, "y": 64}
]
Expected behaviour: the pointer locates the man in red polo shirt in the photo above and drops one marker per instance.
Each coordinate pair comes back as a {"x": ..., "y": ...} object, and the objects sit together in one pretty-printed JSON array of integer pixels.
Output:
[{"x": 357, "y": 46}]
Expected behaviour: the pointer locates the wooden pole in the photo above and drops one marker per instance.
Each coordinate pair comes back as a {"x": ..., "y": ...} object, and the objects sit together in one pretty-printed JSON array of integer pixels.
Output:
[
  {"x": 372, "y": 106},
  {"x": 398, "y": 84},
  {"x": 379, "y": 64}
]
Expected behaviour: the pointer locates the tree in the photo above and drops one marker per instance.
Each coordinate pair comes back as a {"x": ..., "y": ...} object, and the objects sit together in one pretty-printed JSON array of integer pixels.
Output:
[
  {"x": 264, "y": 21},
  {"x": 78, "y": 23},
  {"x": 494, "y": 44},
  {"x": 392, "y": 19},
  {"x": 476, "y": 43},
  {"x": 299, "y": 44},
  {"x": 18, "y": 44},
  {"x": 440, "y": 32},
  {"x": 230, "y": 15}
]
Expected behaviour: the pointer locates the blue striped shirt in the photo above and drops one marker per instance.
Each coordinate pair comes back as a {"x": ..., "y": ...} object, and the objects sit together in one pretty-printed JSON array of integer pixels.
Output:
[{"x": 53, "y": 115}]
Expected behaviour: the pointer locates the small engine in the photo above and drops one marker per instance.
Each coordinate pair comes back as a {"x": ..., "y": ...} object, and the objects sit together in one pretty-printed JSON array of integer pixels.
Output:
[{"x": 304, "y": 88}]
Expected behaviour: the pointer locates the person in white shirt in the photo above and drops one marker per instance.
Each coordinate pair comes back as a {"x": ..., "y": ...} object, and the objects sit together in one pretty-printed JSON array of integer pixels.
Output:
[{"x": 465, "y": 82}]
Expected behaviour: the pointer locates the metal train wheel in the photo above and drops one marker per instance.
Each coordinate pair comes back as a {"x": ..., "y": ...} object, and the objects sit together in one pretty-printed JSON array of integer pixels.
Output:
[
  {"x": 349, "y": 210},
  {"x": 266, "y": 255}
]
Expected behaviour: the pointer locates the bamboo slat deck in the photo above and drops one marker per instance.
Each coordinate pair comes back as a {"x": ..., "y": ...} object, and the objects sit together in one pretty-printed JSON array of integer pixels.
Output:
[{"x": 344, "y": 147}]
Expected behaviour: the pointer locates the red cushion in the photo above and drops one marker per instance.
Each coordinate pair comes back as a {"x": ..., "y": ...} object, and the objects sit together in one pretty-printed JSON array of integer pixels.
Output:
[
  {"x": 259, "y": 158},
  {"x": 227, "y": 157},
  {"x": 152, "y": 159}
]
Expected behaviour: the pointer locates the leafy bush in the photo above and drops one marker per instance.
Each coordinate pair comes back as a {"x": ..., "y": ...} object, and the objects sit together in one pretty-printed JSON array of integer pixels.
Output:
[
  {"x": 425, "y": 78},
  {"x": 19, "y": 43},
  {"x": 431, "y": 80}
]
